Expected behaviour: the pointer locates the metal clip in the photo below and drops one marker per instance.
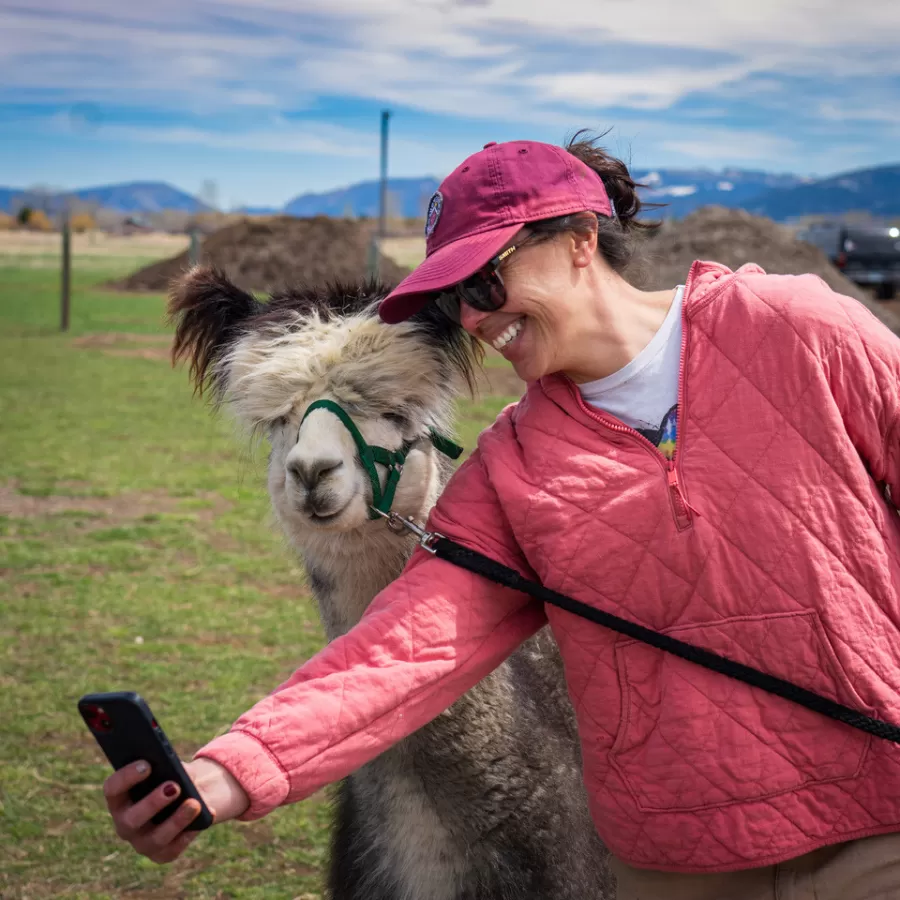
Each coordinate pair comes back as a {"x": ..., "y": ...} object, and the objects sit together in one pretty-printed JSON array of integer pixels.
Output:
[{"x": 398, "y": 524}]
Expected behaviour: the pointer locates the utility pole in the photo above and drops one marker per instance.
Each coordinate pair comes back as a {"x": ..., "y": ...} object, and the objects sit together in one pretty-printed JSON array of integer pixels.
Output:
[
  {"x": 382, "y": 225},
  {"x": 375, "y": 247}
]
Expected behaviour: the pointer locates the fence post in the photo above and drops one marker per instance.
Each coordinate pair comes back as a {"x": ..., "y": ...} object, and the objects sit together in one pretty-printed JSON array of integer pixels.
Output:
[
  {"x": 194, "y": 252},
  {"x": 66, "y": 281},
  {"x": 372, "y": 264}
]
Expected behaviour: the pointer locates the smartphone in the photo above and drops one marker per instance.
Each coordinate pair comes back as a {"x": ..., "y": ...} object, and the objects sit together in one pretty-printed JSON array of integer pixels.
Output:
[{"x": 127, "y": 731}]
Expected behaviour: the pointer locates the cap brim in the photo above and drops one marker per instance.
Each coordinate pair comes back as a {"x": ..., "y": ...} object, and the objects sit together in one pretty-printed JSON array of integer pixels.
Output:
[{"x": 447, "y": 266}]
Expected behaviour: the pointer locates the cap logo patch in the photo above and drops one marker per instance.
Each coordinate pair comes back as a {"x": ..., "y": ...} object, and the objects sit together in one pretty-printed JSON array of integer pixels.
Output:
[{"x": 435, "y": 205}]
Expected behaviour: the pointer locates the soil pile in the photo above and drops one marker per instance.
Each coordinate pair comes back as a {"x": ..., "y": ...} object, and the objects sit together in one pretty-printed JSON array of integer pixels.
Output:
[
  {"x": 265, "y": 254},
  {"x": 734, "y": 237}
]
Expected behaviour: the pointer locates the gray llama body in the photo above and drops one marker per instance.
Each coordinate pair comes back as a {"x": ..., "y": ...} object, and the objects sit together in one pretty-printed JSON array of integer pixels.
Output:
[
  {"x": 484, "y": 803},
  {"x": 487, "y": 801}
]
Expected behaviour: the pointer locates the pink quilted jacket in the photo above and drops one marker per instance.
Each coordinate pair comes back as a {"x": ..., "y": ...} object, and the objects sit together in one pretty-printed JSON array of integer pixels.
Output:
[{"x": 769, "y": 541}]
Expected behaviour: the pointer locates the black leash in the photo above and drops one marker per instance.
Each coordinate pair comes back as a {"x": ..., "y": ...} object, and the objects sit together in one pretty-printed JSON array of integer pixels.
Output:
[{"x": 452, "y": 552}]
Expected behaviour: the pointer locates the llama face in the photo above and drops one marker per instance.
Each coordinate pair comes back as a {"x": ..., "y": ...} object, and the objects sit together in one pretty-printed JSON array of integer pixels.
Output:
[
  {"x": 391, "y": 382},
  {"x": 316, "y": 480},
  {"x": 267, "y": 362}
]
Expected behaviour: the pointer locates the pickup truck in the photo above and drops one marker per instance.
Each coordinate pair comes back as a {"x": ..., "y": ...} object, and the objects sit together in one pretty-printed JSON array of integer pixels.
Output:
[{"x": 869, "y": 255}]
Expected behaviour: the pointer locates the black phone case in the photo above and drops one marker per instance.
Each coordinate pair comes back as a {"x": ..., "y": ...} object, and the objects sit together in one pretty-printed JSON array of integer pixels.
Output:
[{"x": 126, "y": 732}]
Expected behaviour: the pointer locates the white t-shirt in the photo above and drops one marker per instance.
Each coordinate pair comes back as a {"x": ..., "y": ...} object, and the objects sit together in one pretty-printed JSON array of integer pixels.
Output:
[{"x": 644, "y": 393}]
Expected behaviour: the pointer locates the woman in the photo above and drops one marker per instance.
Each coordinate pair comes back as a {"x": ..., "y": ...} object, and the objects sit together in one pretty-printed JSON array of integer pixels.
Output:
[{"x": 709, "y": 461}]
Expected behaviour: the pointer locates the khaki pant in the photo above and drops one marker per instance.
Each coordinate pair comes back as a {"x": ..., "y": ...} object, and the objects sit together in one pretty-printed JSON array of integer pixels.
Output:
[{"x": 867, "y": 869}]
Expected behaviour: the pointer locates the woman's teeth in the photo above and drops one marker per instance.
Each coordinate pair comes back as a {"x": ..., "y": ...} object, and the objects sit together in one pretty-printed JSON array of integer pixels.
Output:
[{"x": 512, "y": 332}]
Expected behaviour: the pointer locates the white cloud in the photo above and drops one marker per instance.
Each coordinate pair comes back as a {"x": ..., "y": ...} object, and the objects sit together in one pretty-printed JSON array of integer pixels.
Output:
[
  {"x": 436, "y": 55},
  {"x": 653, "y": 90},
  {"x": 250, "y": 97},
  {"x": 316, "y": 138},
  {"x": 836, "y": 110},
  {"x": 715, "y": 145},
  {"x": 232, "y": 65}
]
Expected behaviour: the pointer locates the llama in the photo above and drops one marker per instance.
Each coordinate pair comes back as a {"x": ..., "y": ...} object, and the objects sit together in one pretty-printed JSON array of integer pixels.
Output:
[{"x": 487, "y": 801}]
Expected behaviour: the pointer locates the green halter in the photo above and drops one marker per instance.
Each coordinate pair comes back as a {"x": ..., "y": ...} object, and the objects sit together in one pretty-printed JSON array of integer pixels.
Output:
[{"x": 391, "y": 459}]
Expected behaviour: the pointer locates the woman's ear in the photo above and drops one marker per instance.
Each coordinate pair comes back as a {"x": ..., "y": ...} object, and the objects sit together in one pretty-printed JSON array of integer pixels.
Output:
[{"x": 584, "y": 248}]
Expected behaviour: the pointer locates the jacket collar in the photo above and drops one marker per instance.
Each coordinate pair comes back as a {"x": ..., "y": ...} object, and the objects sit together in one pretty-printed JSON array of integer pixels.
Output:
[{"x": 705, "y": 281}]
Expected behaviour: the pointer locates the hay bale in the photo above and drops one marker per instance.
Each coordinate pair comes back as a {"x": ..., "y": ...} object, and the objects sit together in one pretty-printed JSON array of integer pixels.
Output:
[
  {"x": 265, "y": 254},
  {"x": 734, "y": 237}
]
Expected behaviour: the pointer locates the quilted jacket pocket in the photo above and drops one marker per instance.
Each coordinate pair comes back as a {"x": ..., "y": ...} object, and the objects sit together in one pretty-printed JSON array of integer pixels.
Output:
[{"x": 691, "y": 739}]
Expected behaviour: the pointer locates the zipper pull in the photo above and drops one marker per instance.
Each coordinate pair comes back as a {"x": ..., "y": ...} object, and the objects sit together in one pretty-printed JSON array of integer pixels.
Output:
[{"x": 681, "y": 507}]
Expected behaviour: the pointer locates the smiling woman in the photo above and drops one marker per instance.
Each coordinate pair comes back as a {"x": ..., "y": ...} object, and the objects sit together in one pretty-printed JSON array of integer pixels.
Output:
[{"x": 714, "y": 461}]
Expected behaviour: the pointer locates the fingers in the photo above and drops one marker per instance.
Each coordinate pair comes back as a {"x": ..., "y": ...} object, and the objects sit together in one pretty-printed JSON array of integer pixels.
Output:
[
  {"x": 168, "y": 841},
  {"x": 133, "y": 819},
  {"x": 161, "y": 843},
  {"x": 115, "y": 788},
  {"x": 174, "y": 849}
]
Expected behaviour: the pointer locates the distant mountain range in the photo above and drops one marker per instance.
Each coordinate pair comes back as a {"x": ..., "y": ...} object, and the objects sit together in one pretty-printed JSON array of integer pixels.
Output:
[
  {"x": 681, "y": 191},
  {"x": 779, "y": 196},
  {"x": 875, "y": 190},
  {"x": 142, "y": 197},
  {"x": 408, "y": 197},
  {"x": 132, "y": 197}
]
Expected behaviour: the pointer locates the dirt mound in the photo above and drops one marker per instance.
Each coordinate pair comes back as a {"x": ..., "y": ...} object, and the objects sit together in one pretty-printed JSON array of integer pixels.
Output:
[
  {"x": 266, "y": 254},
  {"x": 734, "y": 237}
]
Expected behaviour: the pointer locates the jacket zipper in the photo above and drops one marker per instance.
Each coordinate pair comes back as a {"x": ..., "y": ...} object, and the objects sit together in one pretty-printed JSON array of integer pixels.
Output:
[
  {"x": 681, "y": 509},
  {"x": 679, "y": 504}
]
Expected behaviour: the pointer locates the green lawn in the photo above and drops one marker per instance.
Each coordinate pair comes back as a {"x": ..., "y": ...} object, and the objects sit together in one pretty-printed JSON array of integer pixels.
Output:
[{"x": 136, "y": 552}]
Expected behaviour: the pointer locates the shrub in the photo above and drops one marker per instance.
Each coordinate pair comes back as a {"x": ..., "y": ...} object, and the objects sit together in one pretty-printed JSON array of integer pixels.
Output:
[
  {"x": 39, "y": 221},
  {"x": 81, "y": 222}
]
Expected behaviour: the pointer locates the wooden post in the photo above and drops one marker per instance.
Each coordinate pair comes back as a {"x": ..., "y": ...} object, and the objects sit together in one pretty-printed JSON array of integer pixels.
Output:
[
  {"x": 194, "y": 252},
  {"x": 372, "y": 261},
  {"x": 66, "y": 284}
]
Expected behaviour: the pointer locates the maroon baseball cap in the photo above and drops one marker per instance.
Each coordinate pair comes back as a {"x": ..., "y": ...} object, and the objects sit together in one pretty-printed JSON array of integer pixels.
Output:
[{"x": 481, "y": 205}]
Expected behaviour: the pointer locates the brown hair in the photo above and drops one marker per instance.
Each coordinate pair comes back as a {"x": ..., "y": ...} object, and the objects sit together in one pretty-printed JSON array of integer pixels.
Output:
[{"x": 615, "y": 235}]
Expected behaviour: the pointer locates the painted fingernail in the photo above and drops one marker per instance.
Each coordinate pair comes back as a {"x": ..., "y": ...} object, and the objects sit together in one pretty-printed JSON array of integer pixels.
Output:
[
  {"x": 142, "y": 768},
  {"x": 170, "y": 790}
]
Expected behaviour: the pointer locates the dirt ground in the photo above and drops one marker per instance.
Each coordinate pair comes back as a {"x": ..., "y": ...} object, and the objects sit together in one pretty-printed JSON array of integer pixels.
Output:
[
  {"x": 265, "y": 254},
  {"x": 407, "y": 252},
  {"x": 116, "y": 343},
  {"x": 91, "y": 243},
  {"x": 114, "y": 510}
]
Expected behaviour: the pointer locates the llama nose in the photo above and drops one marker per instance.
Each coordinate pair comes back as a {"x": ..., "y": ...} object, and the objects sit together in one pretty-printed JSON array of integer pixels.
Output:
[{"x": 309, "y": 472}]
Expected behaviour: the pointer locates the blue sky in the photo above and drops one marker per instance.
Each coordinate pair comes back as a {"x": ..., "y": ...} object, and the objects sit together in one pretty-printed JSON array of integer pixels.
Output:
[{"x": 271, "y": 98}]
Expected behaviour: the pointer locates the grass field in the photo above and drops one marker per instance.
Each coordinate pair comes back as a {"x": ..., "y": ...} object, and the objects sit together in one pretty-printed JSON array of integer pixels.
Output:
[{"x": 136, "y": 552}]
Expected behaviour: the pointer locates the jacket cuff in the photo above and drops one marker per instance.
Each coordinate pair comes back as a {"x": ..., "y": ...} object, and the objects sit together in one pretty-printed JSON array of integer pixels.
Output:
[{"x": 254, "y": 766}]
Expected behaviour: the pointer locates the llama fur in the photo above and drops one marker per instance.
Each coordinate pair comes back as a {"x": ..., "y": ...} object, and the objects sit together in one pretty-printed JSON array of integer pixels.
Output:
[{"x": 487, "y": 801}]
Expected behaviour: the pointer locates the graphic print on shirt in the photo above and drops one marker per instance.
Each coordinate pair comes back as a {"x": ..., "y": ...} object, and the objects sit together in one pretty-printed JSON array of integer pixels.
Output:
[{"x": 663, "y": 437}]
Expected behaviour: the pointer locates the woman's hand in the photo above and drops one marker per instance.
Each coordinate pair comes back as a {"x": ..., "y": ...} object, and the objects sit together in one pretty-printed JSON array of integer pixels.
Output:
[{"x": 164, "y": 843}]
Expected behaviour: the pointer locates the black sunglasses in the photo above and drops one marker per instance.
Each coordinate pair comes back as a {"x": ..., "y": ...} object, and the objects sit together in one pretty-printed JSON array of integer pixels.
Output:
[{"x": 483, "y": 291}]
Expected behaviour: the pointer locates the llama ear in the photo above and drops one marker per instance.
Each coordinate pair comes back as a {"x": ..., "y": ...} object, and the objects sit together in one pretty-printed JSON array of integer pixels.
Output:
[
  {"x": 461, "y": 352},
  {"x": 207, "y": 311}
]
